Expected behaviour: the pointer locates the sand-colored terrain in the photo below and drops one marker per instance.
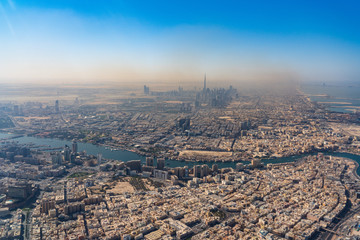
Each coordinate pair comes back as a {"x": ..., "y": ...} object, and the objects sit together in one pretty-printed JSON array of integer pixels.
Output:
[
  {"x": 121, "y": 187},
  {"x": 192, "y": 153},
  {"x": 348, "y": 129},
  {"x": 339, "y": 103}
]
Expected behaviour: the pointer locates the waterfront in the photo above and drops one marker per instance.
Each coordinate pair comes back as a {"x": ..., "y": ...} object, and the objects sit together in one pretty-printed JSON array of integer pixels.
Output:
[
  {"x": 125, "y": 156},
  {"x": 338, "y": 97}
]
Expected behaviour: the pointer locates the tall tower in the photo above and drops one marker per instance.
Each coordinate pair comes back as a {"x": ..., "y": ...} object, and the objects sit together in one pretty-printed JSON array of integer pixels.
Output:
[
  {"x": 67, "y": 152},
  {"x": 204, "y": 83},
  {"x": 74, "y": 147},
  {"x": 150, "y": 161},
  {"x": 99, "y": 158},
  {"x": 57, "y": 109},
  {"x": 65, "y": 192}
]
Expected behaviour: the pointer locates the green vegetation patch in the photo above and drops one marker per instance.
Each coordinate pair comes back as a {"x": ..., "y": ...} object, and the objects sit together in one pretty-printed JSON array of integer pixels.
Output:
[
  {"x": 79, "y": 175},
  {"x": 219, "y": 214},
  {"x": 138, "y": 183}
]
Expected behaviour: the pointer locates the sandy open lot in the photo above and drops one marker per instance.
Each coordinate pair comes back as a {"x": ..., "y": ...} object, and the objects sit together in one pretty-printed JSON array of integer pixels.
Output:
[
  {"x": 191, "y": 153},
  {"x": 348, "y": 129},
  {"x": 121, "y": 187}
]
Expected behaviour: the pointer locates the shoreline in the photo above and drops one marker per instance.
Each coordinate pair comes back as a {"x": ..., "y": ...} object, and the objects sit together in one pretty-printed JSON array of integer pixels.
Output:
[
  {"x": 265, "y": 160},
  {"x": 341, "y": 106},
  {"x": 355, "y": 169}
]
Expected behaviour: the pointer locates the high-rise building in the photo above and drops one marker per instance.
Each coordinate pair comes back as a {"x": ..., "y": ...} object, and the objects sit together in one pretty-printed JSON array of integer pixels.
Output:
[
  {"x": 134, "y": 165},
  {"x": 99, "y": 158},
  {"x": 47, "y": 205},
  {"x": 179, "y": 172},
  {"x": 57, "y": 108},
  {"x": 67, "y": 153},
  {"x": 19, "y": 190},
  {"x": 215, "y": 168},
  {"x": 146, "y": 90},
  {"x": 149, "y": 161},
  {"x": 160, "y": 163},
  {"x": 248, "y": 124},
  {"x": 73, "y": 158},
  {"x": 163, "y": 175},
  {"x": 204, "y": 83},
  {"x": 74, "y": 208},
  {"x": 184, "y": 124},
  {"x": 65, "y": 192},
  {"x": 205, "y": 170},
  {"x": 198, "y": 173},
  {"x": 74, "y": 147},
  {"x": 186, "y": 171},
  {"x": 57, "y": 159}
]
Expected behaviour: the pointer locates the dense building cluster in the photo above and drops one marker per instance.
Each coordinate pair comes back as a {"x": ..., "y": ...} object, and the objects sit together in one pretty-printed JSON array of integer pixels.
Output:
[
  {"x": 290, "y": 201},
  {"x": 188, "y": 125},
  {"x": 73, "y": 195}
]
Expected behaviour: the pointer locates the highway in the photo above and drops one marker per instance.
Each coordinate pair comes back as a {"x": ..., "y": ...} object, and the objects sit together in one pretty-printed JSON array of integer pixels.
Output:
[
  {"x": 330, "y": 235},
  {"x": 27, "y": 225}
]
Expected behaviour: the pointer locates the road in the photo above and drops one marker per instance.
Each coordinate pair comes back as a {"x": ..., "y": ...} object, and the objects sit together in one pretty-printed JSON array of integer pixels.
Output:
[
  {"x": 27, "y": 225},
  {"x": 16, "y": 124},
  {"x": 350, "y": 214}
]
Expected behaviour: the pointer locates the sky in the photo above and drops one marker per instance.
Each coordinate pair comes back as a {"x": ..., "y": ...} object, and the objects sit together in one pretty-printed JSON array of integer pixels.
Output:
[{"x": 125, "y": 41}]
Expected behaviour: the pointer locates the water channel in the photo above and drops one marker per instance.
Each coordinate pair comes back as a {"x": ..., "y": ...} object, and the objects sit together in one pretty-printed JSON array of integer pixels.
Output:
[{"x": 124, "y": 155}]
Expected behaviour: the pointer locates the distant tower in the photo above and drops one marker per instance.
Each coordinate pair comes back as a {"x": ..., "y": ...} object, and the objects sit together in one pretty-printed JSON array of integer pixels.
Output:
[
  {"x": 57, "y": 106},
  {"x": 215, "y": 168},
  {"x": 204, "y": 83},
  {"x": 67, "y": 153},
  {"x": 99, "y": 158},
  {"x": 160, "y": 163},
  {"x": 150, "y": 161},
  {"x": 197, "y": 171},
  {"x": 65, "y": 192},
  {"x": 146, "y": 90},
  {"x": 74, "y": 147},
  {"x": 57, "y": 159}
]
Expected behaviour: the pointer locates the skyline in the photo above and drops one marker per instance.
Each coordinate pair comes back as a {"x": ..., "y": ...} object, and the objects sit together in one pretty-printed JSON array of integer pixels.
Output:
[{"x": 70, "y": 41}]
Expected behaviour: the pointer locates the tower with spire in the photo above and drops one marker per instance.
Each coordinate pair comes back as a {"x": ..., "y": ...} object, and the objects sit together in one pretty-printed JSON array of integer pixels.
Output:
[{"x": 204, "y": 83}]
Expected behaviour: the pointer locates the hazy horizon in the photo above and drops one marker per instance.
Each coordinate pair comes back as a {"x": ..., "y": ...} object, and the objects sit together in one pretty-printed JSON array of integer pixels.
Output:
[{"x": 65, "y": 42}]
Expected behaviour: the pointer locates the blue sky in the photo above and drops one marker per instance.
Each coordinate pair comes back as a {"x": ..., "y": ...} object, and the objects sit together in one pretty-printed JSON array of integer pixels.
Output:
[{"x": 62, "y": 40}]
